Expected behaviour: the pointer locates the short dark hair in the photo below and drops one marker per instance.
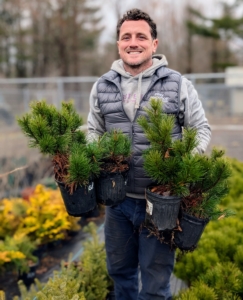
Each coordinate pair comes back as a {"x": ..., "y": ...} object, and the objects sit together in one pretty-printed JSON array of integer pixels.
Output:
[{"x": 135, "y": 15}]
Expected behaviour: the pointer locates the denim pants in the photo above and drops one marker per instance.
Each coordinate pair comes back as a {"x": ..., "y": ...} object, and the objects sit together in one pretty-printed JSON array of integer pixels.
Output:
[{"x": 129, "y": 247}]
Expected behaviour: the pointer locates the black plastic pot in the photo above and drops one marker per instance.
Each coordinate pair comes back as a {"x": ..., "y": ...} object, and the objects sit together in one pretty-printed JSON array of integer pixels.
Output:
[
  {"x": 111, "y": 188},
  {"x": 95, "y": 213},
  {"x": 192, "y": 229},
  {"x": 162, "y": 211},
  {"x": 81, "y": 201},
  {"x": 29, "y": 277}
]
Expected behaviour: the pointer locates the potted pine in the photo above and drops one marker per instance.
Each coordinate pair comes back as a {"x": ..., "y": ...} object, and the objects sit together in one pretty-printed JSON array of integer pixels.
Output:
[
  {"x": 169, "y": 163},
  {"x": 197, "y": 181},
  {"x": 202, "y": 203},
  {"x": 75, "y": 162},
  {"x": 112, "y": 180}
]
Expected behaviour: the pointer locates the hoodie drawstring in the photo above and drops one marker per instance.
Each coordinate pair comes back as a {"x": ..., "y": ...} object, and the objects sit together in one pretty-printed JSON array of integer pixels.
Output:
[{"x": 139, "y": 90}]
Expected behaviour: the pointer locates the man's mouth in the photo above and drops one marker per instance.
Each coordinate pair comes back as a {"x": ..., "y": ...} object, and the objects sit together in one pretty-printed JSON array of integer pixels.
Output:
[{"x": 134, "y": 52}]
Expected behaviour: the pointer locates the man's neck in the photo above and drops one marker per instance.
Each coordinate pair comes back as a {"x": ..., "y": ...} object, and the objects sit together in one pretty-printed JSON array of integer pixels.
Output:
[{"x": 135, "y": 70}]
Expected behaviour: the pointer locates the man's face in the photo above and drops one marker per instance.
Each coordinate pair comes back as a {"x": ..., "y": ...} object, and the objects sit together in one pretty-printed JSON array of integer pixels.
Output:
[{"x": 136, "y": 46}]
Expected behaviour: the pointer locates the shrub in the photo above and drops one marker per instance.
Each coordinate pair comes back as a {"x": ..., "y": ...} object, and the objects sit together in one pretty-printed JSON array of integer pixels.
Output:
[
  {"x": 176, "y": 169},
  {"x": 224, "y": 281},
  {"x": 85, "y": 279},
  {"x": 43, "y": 218},
  {"x": 220, "y": 244},
  {"x": 16, "y": 254},
  {"x": 46, "y": 219},
  {"x": 12, "y": 211},
  {"x": 57, "y": 133}
]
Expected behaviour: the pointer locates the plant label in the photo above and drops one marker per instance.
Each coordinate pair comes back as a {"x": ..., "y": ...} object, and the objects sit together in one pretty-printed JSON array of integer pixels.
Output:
[
  {"x": 91, "y": 186},
  {"x": 149, "y": 208}
]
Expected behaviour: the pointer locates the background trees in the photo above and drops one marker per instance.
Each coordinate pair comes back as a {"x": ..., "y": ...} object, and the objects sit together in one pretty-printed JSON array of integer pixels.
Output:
[
  {"x": 72, "y": 38},
  {"x": 43, "y": 38}
]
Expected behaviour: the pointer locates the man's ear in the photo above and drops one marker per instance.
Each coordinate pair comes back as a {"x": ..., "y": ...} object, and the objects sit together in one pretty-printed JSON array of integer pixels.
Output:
[
  {"x": 155, "y": 45},
  {"x": 117, "y": 43}
]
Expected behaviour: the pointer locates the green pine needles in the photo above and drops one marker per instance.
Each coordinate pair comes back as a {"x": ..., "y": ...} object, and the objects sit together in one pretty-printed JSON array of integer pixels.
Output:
[
  {"x": 168, "y": 162},
  {"x": 85, "y": 279},
  {"x": 51, "y": 130},
  {"x": 176, "y": 169},
  {"x": 56, "y": 133},
  {"x": 116, "y": 150},
  {"x": 206, "y": 194}
]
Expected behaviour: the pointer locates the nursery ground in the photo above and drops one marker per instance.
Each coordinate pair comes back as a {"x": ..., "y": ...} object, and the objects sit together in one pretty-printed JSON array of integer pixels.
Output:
[
  {"x": 55, "y": 253},
  {"x": 52, "y": 257},
  {"x": 225, "y": 133}
]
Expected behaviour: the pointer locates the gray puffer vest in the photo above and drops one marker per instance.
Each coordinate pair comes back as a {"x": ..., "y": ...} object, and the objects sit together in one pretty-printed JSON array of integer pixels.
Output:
[{"x": 165, "y": 84}]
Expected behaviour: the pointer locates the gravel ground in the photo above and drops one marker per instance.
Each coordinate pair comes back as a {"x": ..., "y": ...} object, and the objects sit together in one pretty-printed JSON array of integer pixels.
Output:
[{"x": 230, "y": 138}]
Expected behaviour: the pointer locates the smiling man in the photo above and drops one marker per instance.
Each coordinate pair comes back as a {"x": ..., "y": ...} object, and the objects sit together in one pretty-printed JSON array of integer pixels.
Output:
[
  {"x": 116, "y": 101},
  {"x": 136, "y": 46}
]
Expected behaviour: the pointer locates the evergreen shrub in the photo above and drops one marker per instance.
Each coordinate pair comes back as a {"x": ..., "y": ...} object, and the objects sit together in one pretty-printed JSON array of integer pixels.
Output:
[
  {"x": 85, "y": 279},
  {"x": 176, "y": 169},
  {"x": 217, "y": 262},
  {"x": 16, "y": 254},
  {"x": 116, "y": 151},
  {"x": 57, "y": 133}
]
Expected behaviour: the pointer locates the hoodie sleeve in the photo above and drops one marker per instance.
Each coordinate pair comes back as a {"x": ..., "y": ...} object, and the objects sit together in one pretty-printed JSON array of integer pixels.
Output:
[
  {"x": 194, "y": 115},
  {"x": 96, "y": 123}
]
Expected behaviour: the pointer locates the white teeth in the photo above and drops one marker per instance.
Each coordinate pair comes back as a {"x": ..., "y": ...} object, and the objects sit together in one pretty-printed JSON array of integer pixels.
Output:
[{"x": 134, "y": 52}]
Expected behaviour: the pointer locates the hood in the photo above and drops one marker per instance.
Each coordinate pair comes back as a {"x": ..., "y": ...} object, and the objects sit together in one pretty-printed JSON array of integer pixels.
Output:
[{"x": 159, "y": 60}]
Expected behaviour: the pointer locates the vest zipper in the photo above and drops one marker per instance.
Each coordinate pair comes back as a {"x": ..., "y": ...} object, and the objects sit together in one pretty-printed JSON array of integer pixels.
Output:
[
  {"x": 131, "y": 170},
  {"x": 131, "y": 175}
]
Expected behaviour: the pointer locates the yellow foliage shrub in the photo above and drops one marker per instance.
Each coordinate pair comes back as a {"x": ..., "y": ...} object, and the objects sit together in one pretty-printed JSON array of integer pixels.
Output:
[
  {"x": 11, "y": 213},
  {"x": 43, "y": 218},
  {"x": 46, "y": 218}
]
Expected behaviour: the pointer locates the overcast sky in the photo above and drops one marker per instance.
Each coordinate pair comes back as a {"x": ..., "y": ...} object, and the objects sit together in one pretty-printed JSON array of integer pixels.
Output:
[{"x": 211, "y": 8}]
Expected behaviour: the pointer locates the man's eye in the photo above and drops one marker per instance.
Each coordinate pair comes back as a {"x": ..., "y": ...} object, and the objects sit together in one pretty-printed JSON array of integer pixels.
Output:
[{"x": 125, "y": 38}]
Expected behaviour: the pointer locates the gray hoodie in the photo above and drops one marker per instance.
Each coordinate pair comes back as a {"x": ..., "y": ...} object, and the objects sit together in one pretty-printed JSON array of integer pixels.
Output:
[{"x": 133, "y": 89}]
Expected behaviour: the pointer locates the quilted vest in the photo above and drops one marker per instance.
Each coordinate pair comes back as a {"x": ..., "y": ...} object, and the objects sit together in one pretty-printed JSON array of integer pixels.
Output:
[{"x": 165, "y": 84}]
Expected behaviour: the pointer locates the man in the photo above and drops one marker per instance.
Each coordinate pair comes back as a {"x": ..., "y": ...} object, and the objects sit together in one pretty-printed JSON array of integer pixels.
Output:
[{"x": 116, "y": 101}]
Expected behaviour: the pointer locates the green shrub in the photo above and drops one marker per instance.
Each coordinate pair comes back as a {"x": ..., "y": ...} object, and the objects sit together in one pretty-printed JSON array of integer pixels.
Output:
[
  {"x": 200, "y": 291},
  {"x": 16, "y": 253},
  {"x": 224, "y": 282},
  {"x": 28, "y": 294},
  {"x": 220, "y": 245},
  {"x": 56, "y": 132},
  {"x": 238, "y": 257},
  {"x": 65, "y": 284},
  {"x": 225, "y": 278},
  {"x": 86, "y": 279},
  {"x": 201, "y": 180}
]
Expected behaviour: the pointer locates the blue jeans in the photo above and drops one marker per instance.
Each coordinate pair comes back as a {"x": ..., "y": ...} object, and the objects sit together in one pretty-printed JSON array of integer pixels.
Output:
[{"x": 128, "y": 246}]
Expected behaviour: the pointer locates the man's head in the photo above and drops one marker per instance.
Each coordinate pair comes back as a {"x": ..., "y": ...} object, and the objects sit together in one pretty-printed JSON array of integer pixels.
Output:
[
  {"x": 137, "y": 41},
  {"x": 135, "y": 15}
]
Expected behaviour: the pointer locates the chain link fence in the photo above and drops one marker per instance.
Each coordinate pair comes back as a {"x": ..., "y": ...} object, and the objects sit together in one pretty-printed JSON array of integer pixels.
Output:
[{"x": 221, "y": 95}]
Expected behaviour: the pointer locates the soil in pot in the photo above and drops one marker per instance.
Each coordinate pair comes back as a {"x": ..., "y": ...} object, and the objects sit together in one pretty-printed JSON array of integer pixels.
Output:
[
  {"x": 162, "y": 211},
  {"x": 81, "y": 201},
  {"x": 191, "y": 229}
]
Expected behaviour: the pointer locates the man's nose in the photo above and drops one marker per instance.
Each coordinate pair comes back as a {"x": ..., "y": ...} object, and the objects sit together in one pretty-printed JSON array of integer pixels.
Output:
[{"x": 133, "y": 42}]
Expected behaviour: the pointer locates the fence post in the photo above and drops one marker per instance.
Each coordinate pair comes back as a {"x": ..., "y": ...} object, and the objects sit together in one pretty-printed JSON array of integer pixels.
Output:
[
  {"x": 60, "y": 92},
  {"x": 26, "y": 94}
]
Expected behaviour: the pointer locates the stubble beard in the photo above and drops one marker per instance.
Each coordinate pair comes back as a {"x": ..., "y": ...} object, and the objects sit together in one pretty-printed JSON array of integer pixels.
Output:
[{"x": 136, "y": 65}]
